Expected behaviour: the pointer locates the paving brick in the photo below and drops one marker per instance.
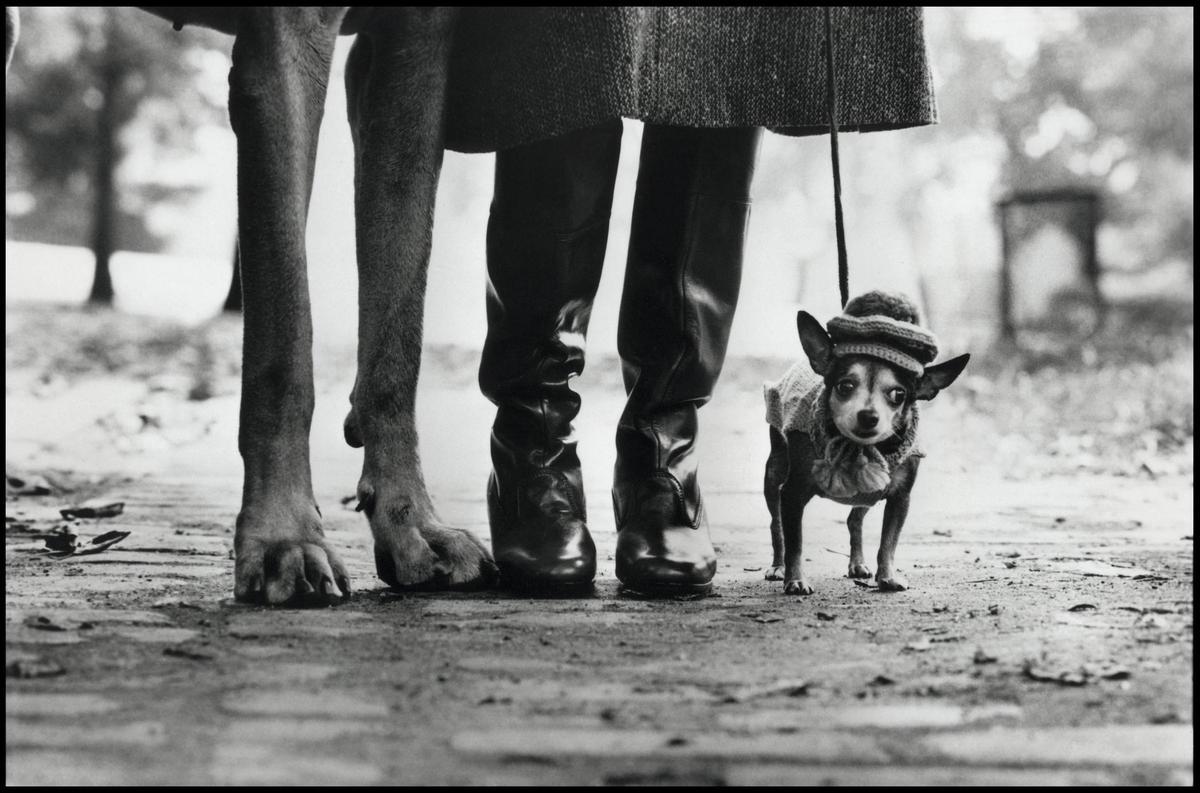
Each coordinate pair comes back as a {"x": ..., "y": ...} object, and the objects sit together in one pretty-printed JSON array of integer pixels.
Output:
[
  {"x": 286, "y": 672},
  {"x": 288, "y": 731},
  {"x": 26, "y": 767},
  {"x": 241, "y": 764},
  {"x": 19, "y": 634},
  {"x": 555, "y": 744},
  {"x": 17, "y": 703},
  {"x": 590, "y": 691},
  {"x": 297, "y": 702},
  {"x": 779, "y": 774},
  {"x": 1118, "y": 744},
  {"x": 912, "y": 715},
  {"x": 153, "y": 635},
  {"x": 74, "y": 617},
  {"x": 331, "y": 623},
  {"x": 496, "y": 664},
  {"x": 73, "y": 736}
]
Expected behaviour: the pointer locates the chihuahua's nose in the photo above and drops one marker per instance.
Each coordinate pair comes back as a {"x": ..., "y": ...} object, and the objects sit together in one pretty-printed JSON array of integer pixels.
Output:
[{"x": 868, "y": 419}]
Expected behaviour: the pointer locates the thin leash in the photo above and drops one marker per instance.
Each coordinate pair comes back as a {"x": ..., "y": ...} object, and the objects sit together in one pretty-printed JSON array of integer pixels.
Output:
[{"x": 839, "y": 222}]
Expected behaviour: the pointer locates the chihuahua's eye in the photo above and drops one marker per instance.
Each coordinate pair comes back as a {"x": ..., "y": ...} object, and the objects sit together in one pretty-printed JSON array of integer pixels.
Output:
[
  {"x": 845, "y": 388},
  {"x": 896, "y": 395}
]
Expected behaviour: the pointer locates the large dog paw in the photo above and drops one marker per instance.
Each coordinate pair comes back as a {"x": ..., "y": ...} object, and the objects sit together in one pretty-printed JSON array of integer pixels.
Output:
[
  {"x": 858, "y": 570},
  {"x": 797, "y": 586},
  {"x": 287, "y": 565},
  {"x": 413, "y": 550},
  {"x": 433, "y": 557},
  {"x": 774, "y": 573},
  {"x": 894, "y": 582}
]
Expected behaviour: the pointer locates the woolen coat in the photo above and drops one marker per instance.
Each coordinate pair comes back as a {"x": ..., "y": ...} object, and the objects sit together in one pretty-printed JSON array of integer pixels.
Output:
[{"x": 524, "y": 74}]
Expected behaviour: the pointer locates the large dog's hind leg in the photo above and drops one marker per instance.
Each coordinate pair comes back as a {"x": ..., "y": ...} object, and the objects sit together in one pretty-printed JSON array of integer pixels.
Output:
[
  {"x": 396, "y": 84},
  {"x": 281, "y": 60}
]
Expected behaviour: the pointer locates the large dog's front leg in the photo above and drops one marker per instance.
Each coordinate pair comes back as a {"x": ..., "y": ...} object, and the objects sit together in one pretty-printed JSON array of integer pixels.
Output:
[
  {"x": 396, "y": 85},
  {"x": 281, "y": 60}
]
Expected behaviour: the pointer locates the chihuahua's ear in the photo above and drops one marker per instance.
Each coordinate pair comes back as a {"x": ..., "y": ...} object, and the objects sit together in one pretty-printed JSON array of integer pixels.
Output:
[
  {"x": 816, "y": 342},
  {"x": 941, "y": 376}
]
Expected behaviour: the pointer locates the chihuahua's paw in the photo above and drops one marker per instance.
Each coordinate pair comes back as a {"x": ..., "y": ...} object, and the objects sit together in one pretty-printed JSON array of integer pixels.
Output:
[
  {"x": 774, "y": 573},
  {"x": 859, "y": 571},
  {"x": 892, "y": 583},
  {"x": 797, "y": 587}
]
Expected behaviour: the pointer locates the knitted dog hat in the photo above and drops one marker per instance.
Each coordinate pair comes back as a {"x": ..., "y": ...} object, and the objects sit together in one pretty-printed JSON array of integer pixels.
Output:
[{"x": 884, "y": 325}]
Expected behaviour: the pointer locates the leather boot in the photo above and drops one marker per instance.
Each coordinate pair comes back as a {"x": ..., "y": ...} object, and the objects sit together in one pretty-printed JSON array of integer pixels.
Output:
[
  {"x": 681, "y": 288},
  {"x": 545, "y": 250}
]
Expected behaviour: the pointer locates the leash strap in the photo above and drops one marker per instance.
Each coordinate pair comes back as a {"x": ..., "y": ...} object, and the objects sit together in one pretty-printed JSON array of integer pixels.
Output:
[{"x": 831, "y": 101}]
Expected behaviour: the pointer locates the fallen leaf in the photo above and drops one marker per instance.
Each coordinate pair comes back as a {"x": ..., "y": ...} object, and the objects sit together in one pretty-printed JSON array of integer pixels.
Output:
[
  {"x": 73, "y": 548},
  {"x": 919, "y": 646},
  {"x": 26, "y": 485},
  {"x": 29, "y": 668},
  {"x": 881, "y": 680},
  {"x": 751, "y": 569},
  {"x": 40, "y": 623},
  {"x": 941, "y": 532},
  {"x": 1083, "y": 607},
  {"x": 982, "y": 656},
  {"x": 1073, "y": 678},
  {"x": 821, "y": 615},
  {"x": 63, "y": 543},
  {"x": 766, "y": 618},
  {"x": 106, "y": 511},
  {"x": 190, "y": 653}
]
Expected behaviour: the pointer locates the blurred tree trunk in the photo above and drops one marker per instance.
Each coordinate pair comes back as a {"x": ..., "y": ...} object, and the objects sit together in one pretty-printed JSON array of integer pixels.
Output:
[
  {"x": 105, "y": 211},
  {"x": 233, "y": 301}
]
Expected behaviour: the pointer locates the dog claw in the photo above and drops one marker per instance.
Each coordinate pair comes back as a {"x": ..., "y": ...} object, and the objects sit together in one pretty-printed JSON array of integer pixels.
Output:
[
  {"x": 293, "y": 570},
  {"x": 797, "y": 587},
  {"x": 366, "y": 500},
  {"x": 774, "y": 573},
  {"x": 859, "y": 571}
]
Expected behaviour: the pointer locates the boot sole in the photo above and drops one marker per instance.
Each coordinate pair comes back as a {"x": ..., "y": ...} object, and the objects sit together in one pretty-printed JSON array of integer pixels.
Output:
[
  {"x": 662, "y": 590},
  {"x": 551, "y": 588}
]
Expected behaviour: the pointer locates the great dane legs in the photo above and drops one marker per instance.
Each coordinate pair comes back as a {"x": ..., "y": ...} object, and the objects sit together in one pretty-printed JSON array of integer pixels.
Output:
[{"x": 396, "y": 88}]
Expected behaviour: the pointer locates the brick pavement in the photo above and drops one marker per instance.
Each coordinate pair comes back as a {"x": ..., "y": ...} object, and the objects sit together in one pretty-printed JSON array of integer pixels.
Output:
[{"x": 152, "y": 675}]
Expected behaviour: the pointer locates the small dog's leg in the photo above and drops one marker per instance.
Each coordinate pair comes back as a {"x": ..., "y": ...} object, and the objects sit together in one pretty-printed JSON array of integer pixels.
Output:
[
  {"x": 854, "y": 522},
  {"x": 281, "y": 62},
  {"x": 894, "y": 515},
  {"x": 794, "y": 496},
  {"x": 396, "y": 88},
  {"x": 773, "y": 479}
]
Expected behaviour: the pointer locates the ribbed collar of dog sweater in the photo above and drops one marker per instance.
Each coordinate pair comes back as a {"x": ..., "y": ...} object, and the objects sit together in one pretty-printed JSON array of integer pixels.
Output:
[{"x": 849, "y": 471}]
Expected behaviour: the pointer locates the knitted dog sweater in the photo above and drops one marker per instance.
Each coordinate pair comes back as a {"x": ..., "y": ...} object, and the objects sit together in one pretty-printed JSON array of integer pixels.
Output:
[{"x": 849, "y": 472}]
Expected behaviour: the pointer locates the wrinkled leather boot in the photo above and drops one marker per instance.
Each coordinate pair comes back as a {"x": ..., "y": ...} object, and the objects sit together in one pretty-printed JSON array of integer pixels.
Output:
[
  {"x": 545, "y": 248},
  {"x": 681, "y": 288}
]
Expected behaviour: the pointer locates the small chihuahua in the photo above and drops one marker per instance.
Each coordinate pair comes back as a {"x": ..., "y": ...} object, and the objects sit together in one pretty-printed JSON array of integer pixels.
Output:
[{"x": 847, "y": 429}]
